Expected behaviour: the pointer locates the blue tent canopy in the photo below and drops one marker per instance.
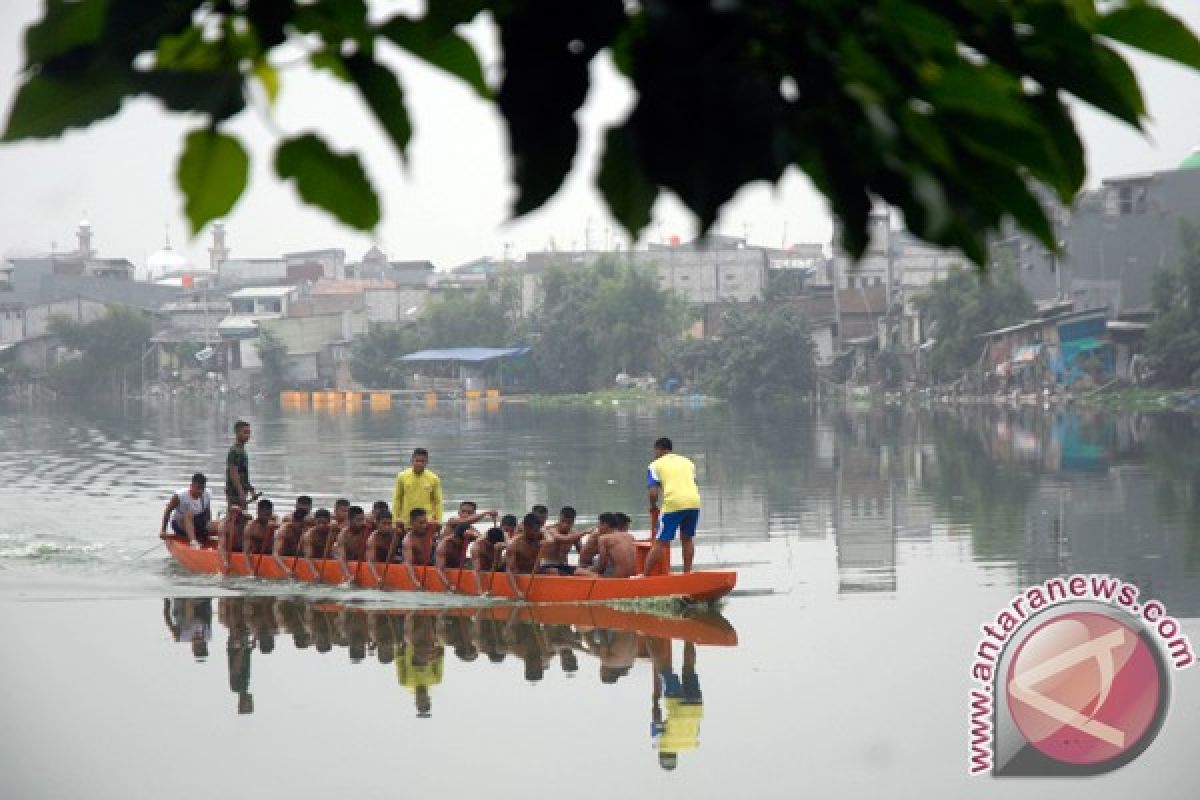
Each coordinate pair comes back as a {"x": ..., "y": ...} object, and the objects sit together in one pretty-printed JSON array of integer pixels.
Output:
[{"x": 467, "y": 355}]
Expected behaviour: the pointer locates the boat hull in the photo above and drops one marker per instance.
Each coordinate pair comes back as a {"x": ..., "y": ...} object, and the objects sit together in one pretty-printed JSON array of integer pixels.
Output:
[{"x": 701, "y": 586}]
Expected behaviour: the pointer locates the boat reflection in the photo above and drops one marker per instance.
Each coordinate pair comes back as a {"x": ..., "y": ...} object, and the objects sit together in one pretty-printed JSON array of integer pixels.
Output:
[{"x": 416, "y": 643}]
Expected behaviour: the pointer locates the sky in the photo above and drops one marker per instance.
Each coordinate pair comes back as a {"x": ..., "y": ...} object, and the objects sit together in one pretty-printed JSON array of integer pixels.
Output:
[{"x": 450, "y": 205}]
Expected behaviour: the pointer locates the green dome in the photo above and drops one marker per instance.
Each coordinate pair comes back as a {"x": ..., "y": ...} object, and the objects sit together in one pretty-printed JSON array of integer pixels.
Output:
[{"x": 1192, "y": 161}]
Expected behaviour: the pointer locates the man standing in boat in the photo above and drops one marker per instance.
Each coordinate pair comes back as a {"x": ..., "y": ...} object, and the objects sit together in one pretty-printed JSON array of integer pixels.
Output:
[
  {"x": 237, "y": 468},
  {"x": 671, "y": 479},
  {"x": 418, "y": 487}
]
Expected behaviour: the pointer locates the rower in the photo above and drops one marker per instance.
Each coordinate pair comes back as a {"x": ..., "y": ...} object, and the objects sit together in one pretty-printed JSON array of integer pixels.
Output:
[
  {"x": 377, "y": 508},
  {"x": 315, "y": 541},
  {"x": 302, "y": 513},
  {"x": 256, "y": 538},
  {"x": 451, "y": 551},
  {"x": 287, "y": 542},
  {"x": 560, "y": 538},
  {"x": 189, "y": 511},
  {"x": 381, "y": 544},
  {"x": 486, "y": 553},
  {"x": 543, "y": 513},
  {"x": 468, "y": 513},
  {"x": 351, "y": 542},
  {"x": 418, "y": 544},
  {"x": 617, "y": 556},
  {"x": 341, "y": 511},
  {"x": 524, "y": 552},
  {"x": 605, "y": 523},
  {"x": 508, "y": 524}
]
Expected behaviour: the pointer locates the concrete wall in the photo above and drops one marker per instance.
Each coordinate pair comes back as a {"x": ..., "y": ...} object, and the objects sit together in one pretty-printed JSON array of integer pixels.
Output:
[{"x": 311, "y": 334}]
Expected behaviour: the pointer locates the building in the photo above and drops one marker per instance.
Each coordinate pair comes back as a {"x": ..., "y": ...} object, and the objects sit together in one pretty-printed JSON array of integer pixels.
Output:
[
  {"x": 468, "y": 369},
  {"x": 247, "y": 308},
  {"x": 1112, "y": 240},
  {"x": 318, "y": 345}
]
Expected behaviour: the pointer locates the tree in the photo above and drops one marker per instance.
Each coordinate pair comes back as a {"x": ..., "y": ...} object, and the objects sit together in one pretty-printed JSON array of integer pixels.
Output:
[
  {"x": 1173, "y": 341},
  {"x": 474, "y": 319},
  {"x": 374, "y": 357},
  {"x": 765, "y": 352},
  {"x": 964, "y": 305},
  {"x": 597, "y": 321},
  {"x": 945, "y": 110},
  {"x": 110, "y": 350},
  {"x": 272, "y": 352}
]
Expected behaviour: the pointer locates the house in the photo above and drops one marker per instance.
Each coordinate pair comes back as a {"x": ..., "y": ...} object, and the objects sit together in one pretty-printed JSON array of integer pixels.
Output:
[
  {"x": 1063, "y": 347},
  {"x": 380, "y": 298},
  {"x": 247, "y": 308},
  {"x": 318, "y": 345}
]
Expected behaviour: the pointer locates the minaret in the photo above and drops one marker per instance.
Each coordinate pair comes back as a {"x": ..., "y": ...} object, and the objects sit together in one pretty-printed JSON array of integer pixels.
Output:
[
  {"x": 84, "y": 235},
  {"x": 218, "y": 253}
]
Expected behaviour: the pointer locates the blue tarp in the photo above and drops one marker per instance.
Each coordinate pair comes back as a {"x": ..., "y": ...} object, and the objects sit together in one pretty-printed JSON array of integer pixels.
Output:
[{"x": 467, "y": 355}]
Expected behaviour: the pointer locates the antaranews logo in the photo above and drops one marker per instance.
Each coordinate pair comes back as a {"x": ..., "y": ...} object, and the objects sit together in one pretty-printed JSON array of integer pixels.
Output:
[{"x": 1071, "y": 678}]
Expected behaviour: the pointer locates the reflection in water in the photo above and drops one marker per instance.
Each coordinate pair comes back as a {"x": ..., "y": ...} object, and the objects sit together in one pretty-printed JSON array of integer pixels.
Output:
[{"x": 415, "y": 643}]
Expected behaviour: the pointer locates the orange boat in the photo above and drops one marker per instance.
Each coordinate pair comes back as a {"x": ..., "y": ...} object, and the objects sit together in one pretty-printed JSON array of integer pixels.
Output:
[{"x": 694, "y": 587}]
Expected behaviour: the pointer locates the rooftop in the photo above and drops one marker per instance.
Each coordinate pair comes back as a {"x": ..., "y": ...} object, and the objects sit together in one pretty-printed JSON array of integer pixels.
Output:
[
  {"x": 263, "y": 291},
  {"x": 326, "y": 286},
  {"x": 471, "y": 355}
]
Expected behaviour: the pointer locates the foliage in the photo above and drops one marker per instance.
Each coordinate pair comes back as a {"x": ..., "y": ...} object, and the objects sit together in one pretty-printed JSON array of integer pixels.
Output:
[
  {"x": 1173, "y": 341},
  {"x": 471, "y": 319},
  {"x": 598, "y": 321},
  {"x": 764, "y": 353},
  {"x": 374, "y": 356},
  {"x": 110, "y": 349},
  {"x": 272, "y": 352},
  {"x": 943, "y": 110},
  {"x": 964, "y": 305}
]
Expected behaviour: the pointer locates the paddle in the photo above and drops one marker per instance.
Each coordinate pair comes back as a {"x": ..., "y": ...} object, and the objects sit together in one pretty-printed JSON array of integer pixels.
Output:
[{"x": 325, "y": 554}]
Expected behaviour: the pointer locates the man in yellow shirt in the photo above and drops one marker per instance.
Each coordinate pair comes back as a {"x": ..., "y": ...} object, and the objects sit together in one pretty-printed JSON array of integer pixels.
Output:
[
  {"x": 672, "y": 478},
  {"x": 418, "y": 487}
]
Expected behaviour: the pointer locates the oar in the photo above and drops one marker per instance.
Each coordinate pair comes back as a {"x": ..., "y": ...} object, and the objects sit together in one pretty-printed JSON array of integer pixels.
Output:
[
  {"x": 537, "y": 564},
  {"x": 391, "y": 554},
  {"x": 495, "y": 568}
]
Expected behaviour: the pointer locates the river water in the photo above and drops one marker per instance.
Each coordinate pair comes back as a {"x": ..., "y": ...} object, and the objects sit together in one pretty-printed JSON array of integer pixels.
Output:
[{"x": 871, "y": 545}]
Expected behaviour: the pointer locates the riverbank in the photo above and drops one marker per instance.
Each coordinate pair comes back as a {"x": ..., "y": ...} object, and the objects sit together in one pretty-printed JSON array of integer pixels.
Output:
[
  {"x": 612, "y": 397},
  {"x": 1124, "y": 399}
]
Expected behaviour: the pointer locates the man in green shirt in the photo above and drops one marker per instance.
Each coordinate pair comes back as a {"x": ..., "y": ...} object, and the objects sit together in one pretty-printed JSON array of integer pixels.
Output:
[{"x": 237, "y": 468}]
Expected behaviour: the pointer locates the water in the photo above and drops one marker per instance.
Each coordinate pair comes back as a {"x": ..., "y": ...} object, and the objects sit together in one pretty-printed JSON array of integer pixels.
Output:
[{"x": 870, "y": 545}]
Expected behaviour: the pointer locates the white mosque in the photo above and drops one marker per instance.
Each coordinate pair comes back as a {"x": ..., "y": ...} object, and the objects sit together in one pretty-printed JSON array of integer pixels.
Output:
[{"x": 167, "y": 266}]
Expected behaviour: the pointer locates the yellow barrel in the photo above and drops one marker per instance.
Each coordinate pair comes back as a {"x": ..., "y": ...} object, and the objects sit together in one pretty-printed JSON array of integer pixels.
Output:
[
  {"x": 474, "y": 394},
  {"x": 493, "y": 394},
  {"x": 431, "y": 399},
  {"x": 381, "y": 401},
  {"x": 354, "y": 399},
  {"x": 332, "y": 399},
  {"x": 491, "y": 405}
]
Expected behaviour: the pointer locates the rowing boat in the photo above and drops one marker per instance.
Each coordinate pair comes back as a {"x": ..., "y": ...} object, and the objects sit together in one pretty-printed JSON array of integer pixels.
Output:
[{"x": 697, "y": 586}]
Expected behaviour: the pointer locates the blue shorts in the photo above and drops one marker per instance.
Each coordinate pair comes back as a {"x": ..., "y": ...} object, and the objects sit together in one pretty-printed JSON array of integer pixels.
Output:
[{"x": 685, "y": 521}]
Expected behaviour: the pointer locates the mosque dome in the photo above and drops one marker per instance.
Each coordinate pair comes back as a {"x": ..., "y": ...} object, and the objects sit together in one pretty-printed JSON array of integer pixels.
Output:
[
  {"x": 164, "y": 261},
  {"x": 1193, "y": 160}
]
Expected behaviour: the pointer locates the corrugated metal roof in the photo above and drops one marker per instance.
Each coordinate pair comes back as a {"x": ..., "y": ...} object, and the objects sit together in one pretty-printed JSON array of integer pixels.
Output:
[
  {"x": 263, "y": 291},
  {"x": 472, "y": 355}
]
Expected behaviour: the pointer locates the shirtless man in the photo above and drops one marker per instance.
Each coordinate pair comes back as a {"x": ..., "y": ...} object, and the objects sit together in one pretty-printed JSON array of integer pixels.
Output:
[
  {"x": 287, "y": 541},
  {"x": 316, "y": 541},
  {"x": 618, "y": 551},
  {"x": 559, "y": 540},
  {"x": 377, "y": 508},
  {"x": 508, "y": 524},
  {"x": 451, "y": 552},
  {"x": 524, "y": 552},
  {"x": 341, "y": 510},
  {"x": 468, "y": 513},
  {"x": 418, "y": 544},
  {"x": 256, "y": 538},
  {"x": 605, "y": 523},
  {"x": 543, "y": 513},
  {"x": 486, "y": 557},
  {"x": 351, "y": 542},
  {"x": 382, "y": 545}
]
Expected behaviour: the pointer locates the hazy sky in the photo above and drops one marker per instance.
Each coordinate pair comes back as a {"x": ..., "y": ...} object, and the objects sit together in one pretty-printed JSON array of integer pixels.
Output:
[{"x": 451, "y": 204}]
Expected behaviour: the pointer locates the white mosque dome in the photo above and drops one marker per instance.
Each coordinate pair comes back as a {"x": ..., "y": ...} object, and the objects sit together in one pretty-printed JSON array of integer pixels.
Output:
[{"x": 164, "y": 261}]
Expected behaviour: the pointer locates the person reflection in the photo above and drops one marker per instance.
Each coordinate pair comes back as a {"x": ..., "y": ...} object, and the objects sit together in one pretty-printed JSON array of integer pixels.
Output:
[
  {"x": 420, "y": 667},
  {"x": 189, "y": 619},
  {"x": 455, "y": 631},
  {"x": 526, "y": 641},
  {"x": 679, "y": 731},
  {"x": 383, "y": 635},
  {"x": 354, "y": 624},
  {"x": 617, "y": 650},
  {"x": 232, "y": 612},
  {"x": 489, "y": 637},
  {"x": 289, "y": 617}
]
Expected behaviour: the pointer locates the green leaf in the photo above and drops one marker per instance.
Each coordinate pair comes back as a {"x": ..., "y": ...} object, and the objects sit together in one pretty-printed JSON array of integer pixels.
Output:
[
  {"x": 445, "y": 15},
  {"x": 629, "y": 193},
  {"x": 64, "y": 27},
  {"x": 1153, "y": 30},
  {"x": 188, "y": 50},
  {"x": 217, "y": 93},
  {"x": 49, "y": 103},
  {"x": 268, "y": 76},
  {"x": 328, "y": 180},
  {"x": 383, "y": 95},
  {"x": 445, "y": 50},
  {"x": 212, "y": 174}
]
